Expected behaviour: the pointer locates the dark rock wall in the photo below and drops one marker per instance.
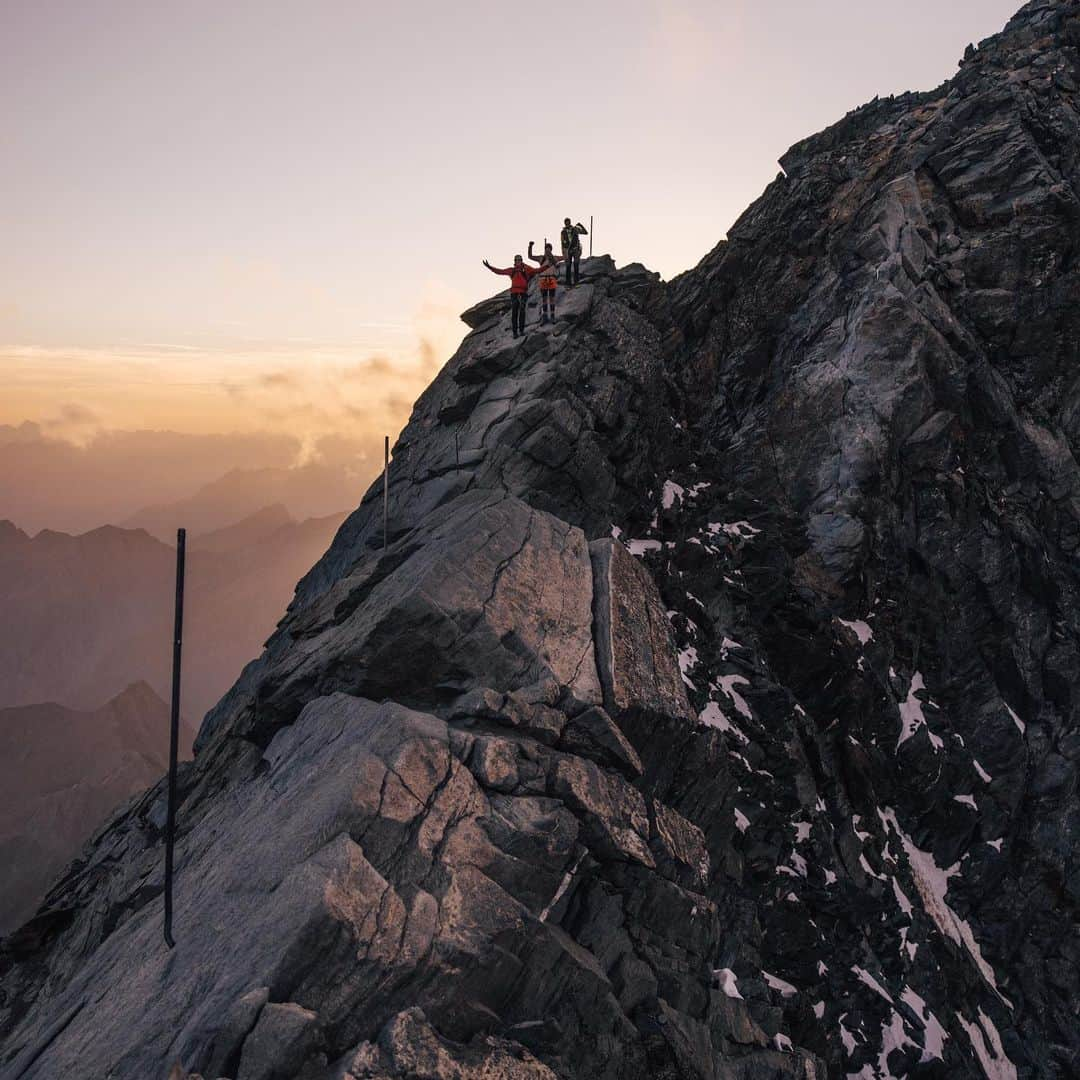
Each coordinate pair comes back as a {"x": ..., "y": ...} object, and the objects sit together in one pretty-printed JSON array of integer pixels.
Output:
[
  {"x": 880, "y": 375},
  {"x": 708, "y": 709}
]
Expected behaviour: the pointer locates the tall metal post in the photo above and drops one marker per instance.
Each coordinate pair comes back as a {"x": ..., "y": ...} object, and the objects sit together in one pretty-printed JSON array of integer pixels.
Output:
[
  {"x": 386, "y": 491},
  {"x": 174, "y": 733},
  {"x": 590, "y": 236}
]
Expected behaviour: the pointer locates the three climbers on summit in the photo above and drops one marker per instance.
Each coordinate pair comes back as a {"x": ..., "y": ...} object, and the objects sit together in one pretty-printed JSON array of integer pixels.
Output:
[{"x": 520, "y": 275}]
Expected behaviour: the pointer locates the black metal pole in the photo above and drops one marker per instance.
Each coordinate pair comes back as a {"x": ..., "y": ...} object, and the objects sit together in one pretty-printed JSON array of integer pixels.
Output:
[
  {"x": 174, "y": 733},
  {"x": 386, "y": 492}
]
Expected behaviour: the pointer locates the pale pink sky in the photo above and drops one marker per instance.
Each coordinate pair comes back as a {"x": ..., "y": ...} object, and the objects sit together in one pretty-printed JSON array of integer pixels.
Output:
[{"x": 198, "y": 195}]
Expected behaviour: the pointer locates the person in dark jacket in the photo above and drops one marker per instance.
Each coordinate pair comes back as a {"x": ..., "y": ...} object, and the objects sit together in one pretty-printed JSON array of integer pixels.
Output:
[
  {"x": 571, "y": 248},
  {"x": 519, "y": 275},
  {"x": 549, "y": 280}
]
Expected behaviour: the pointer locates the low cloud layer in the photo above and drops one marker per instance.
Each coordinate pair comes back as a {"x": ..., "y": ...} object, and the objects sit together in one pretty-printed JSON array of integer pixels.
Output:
[
  {"x": 114, "y": 430},
  {"x": 50, "y": 482}
]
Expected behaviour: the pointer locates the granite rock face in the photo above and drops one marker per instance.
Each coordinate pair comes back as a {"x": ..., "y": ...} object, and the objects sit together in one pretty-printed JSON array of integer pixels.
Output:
[{"x": 709, "y": 710}]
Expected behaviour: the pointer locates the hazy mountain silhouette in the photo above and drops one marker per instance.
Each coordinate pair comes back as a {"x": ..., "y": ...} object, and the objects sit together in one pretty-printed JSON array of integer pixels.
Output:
[
  {"x": 249, "y": 530},
  {"x": 50, "y": 482},
  {"x": 64, "y": 772},
  {"x": 306, "y": 491},
  {"x": 87, "y": 615}
]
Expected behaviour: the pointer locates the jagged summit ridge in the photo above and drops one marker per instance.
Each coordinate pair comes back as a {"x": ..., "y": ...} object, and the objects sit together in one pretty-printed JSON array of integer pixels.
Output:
[{"x": 790, "y": 791}]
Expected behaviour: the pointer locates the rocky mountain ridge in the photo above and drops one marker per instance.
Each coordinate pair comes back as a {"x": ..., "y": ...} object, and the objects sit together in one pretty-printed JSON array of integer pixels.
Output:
[{"x": 709, "y": 710}]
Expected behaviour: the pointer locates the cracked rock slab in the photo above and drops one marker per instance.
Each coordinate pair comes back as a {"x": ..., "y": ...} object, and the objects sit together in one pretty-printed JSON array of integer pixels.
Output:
[
  {"x": 493, "y": 594},
  {"x": 638, "y": 664}
]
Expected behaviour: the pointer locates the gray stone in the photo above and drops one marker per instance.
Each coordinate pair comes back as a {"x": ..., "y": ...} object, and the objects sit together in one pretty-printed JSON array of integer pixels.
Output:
[
  {"x": 614, "y": 813},
  {"x": 518, "y": 579},
  {"x": 494, "y": 763},
  {"x": 635, "y": 649},
  {"x": 413, "y": 1049},
  {"x": 224, "y": 1043},
  {"x": 679, "y": 846},
  {"x": 593, "y": 734},
  {"x": 280, "y": 1043}
]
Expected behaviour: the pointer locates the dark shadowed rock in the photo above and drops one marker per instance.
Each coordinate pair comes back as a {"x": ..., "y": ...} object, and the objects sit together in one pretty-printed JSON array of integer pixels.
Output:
[
  {"x": 280, "y": 1043},
  {"x": 595, "y": 735}
]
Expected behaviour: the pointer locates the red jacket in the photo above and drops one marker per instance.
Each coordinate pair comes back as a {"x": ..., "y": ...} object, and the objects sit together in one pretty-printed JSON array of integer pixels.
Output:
[{"x": 519, "y": 276}]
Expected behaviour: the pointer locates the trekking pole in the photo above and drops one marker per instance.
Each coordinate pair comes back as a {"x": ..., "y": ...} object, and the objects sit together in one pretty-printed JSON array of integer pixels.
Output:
[
  {"x": 174, "y": 734},
  {"x": 385, "y": 490},
  {"x": 590, "y": 236}
]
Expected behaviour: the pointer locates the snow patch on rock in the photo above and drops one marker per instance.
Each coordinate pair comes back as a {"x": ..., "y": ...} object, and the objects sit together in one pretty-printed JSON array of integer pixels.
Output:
[
  {"x": 729, "y": 984},
  {"x": 782, "y": 986},
  {"x": 991, "y": 1057},
  {"x": 862, "y": 630},
  {"x": 932, "y": 883},
  {"x": 1016, "y": 720},
  {"x": 905, "y": 904},
  {"x": 672, "y": 491},
  {"x": 727, "y": 683},
  {"x": 740, "y": 530},
  {"x": 688, "y": 659},
  {"x": 864, "y": 976},
  {"x": 911, "y": 715},
  {"x": 934, "y": 1035}
]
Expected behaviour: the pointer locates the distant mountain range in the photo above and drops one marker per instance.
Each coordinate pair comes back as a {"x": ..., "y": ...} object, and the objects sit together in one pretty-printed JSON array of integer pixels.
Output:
[
  {"x": 87, "y": 615},
  {"x": 146, "y": 479},
  {"x": 64, "y": 771},
  {"x": 88, "y": 618},
  {"x": 306, "y": 491}
]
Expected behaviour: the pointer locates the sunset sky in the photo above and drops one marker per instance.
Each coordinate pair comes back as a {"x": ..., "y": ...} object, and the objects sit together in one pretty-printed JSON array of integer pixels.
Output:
[{"x": 242, "y": 216}]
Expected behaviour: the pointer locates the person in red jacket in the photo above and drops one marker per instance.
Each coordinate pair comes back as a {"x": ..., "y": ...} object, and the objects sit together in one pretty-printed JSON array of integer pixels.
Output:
[{"x": 519, "y": 275}]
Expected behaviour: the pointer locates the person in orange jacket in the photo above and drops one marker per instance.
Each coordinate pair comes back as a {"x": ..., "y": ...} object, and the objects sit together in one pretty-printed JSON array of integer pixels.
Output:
[
  {"x": 519, "y": 275},
  {"x": 549, "y": 280}
]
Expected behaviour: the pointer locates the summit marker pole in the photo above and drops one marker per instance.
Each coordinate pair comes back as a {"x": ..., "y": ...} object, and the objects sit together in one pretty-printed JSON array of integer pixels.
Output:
[
  {"x": 590, "y": 236},
  {"x": 174, "y": 734},
  {"x": 386, "y": 491}
]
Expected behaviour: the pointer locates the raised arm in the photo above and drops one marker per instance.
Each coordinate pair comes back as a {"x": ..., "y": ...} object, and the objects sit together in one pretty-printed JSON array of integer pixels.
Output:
[
  {"x": 535, "y": 258},
  {"x": 579, "y": 228},
  {"x": 495, "y": 270}
]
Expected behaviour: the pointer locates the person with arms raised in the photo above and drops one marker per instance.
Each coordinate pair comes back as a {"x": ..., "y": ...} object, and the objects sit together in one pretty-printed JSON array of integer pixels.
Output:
[
  {"x": 549, "y": 280},
  {"x": 519, "y": 275}
]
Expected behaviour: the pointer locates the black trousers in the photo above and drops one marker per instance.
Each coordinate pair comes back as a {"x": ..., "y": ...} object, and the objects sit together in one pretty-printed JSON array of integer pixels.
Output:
[
  {"x": 573, "y": 266},
  {"x": 518, "y": 301}
]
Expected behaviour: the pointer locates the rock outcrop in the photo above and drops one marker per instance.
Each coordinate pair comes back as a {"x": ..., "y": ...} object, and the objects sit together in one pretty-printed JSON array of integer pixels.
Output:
[{"x": 708, "y": 711}]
